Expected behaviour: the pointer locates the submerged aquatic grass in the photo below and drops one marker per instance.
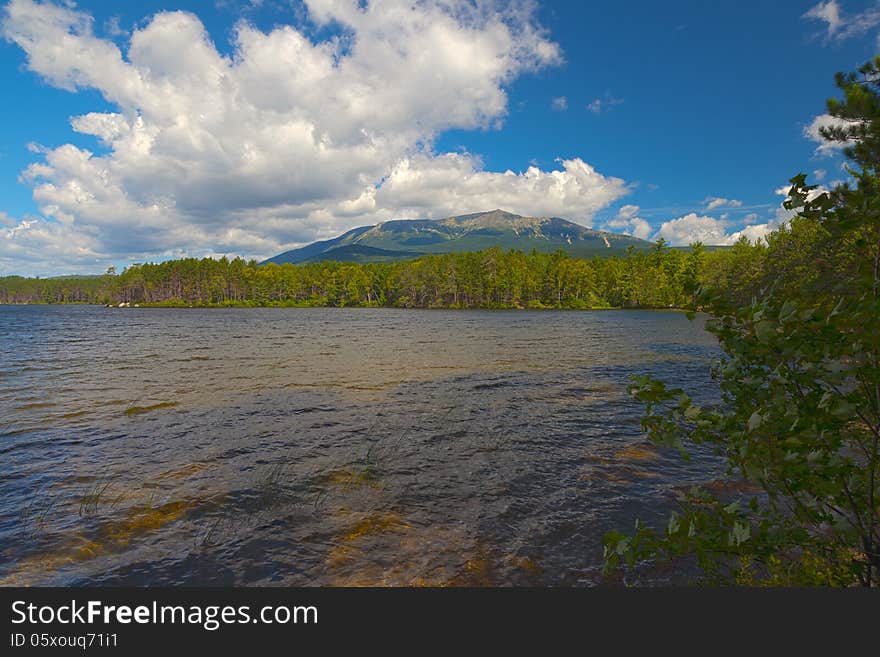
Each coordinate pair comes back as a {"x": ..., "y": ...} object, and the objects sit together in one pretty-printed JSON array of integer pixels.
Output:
[{"x": 92, "y": 499}]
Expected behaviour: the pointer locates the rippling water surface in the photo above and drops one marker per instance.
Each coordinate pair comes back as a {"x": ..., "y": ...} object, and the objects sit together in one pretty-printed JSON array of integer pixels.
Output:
[{"x": 329, "y": 446}]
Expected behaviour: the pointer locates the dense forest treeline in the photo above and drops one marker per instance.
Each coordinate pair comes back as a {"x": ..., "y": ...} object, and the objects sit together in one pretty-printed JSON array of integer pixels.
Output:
[{"x": 660, "y": 278}]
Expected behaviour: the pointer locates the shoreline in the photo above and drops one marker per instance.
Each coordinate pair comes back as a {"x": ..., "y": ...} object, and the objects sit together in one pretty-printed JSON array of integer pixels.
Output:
[{"x": 245, "y": 305}]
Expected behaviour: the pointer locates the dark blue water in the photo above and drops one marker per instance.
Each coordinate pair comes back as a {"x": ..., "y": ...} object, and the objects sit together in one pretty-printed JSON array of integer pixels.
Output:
[{"x": 328, "y": 446}]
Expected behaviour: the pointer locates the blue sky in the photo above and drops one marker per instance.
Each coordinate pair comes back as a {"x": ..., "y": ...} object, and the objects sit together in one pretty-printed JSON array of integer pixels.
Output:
[{"x": 627, "y": 116}]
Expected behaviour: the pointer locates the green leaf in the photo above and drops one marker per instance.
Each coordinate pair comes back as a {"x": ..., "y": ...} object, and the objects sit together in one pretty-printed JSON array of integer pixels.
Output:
[
  {"x": 765, "y": 330},
  {"x": 739, "y": 534},
  {"x": 674, "y": 525},
  {"x": 755, "y": 421}
]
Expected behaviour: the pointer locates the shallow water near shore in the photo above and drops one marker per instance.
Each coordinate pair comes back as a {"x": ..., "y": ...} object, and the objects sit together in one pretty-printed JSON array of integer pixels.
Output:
[{"x": 331, "y": 446}]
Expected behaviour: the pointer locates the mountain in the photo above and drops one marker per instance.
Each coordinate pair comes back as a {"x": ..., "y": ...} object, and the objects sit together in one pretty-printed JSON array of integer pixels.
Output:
[{"x": 410, "y": 238}]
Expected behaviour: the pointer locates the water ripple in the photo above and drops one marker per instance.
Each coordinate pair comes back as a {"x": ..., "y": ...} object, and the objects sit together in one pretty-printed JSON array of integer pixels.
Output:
[{"x": 326, "y": 446}]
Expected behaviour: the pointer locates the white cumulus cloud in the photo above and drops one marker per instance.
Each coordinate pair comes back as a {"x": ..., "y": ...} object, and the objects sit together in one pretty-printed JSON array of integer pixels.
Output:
[
  {"x": 694, "y": 228},
  {"x": 823, "y": 146},
  {"x": 710, "y": 230},
  {"x": 827, "y": 12},
  {"x": 284, "y": 140},
  {"x": 603, "y": 104},
  {"x": 839, "y": 25},
  {"x": 628, "y": 222},
  {"x": 436, "y": 186},
  {"x": 717, "y": 230},
  {"x": 714, "y": 202}
]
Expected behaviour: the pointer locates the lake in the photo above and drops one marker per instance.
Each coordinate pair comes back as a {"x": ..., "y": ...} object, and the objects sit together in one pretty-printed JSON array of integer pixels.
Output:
[{"x": 331, "y": 446}]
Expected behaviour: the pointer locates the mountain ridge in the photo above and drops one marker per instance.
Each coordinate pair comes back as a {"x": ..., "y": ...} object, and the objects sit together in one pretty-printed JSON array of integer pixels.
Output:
[{"x": 403, "y": 239}]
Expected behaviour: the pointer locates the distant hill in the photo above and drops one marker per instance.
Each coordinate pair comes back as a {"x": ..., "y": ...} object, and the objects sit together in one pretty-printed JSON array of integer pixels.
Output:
[
  {"x": 410, "y": 238},
  {"x": 358, "y": 253}
]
